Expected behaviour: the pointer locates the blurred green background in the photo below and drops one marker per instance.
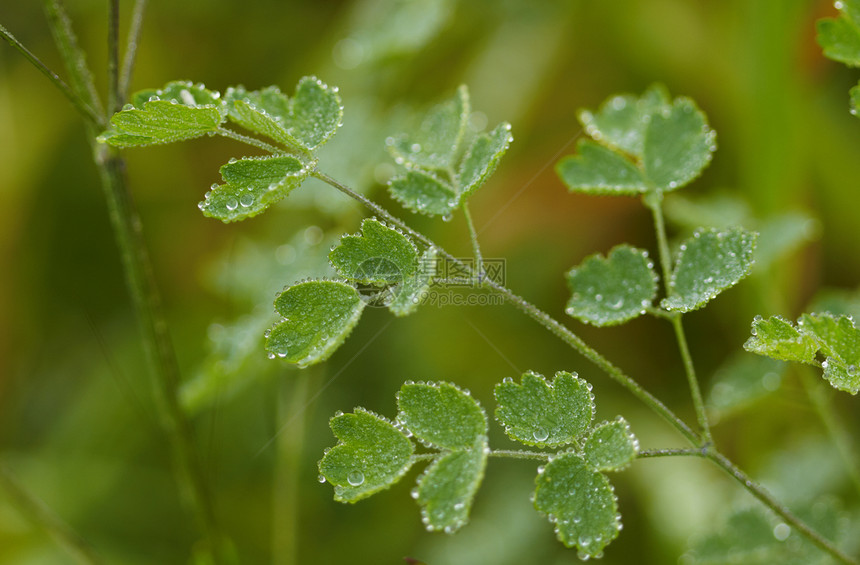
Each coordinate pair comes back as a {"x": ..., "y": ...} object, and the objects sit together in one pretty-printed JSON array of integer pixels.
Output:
[{"x": 77, "y": 424}]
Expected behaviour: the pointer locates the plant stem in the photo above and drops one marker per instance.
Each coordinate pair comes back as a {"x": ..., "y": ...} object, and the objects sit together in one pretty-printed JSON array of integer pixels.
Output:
[
  {"x": 40, "y": 515},
  {"x": 131, "y": 48},
  {"x": 703, "y": 449},
  {"x": 64, "y": 88},
  {"x": 114, "y": 102},
  {"x": 651, "y": 453},
  {"x": 818, "y": 393},
  {"x": 73, "y": 56},
  {"x": 768, "y": 500},
  {"x": 519, "y": 454},
  {"x": 654, "y": 201},
  {"x": 249, "y": 140},
  {"x": 476, "y": 248}
]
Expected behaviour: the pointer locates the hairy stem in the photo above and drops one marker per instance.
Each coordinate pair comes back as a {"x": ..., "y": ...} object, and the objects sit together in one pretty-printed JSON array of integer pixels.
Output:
[
  {"x": 80, "y": 76},
  {"x": 703, "y": 449},
  {"x": 818, "y": 393},
  {"x": 654, "y": 201},
  {"x": 80, "y": 105},
  {"x": 40, "y": 515},
  {"x": 651, "y": 453},
  {"x": 521, "y": 454},
  {"x": 476, "y": 248},
  {"x": 226, "y": 132},
  {"x": 768, "y": 500},
  {"x": 131, "y": 48},
  {"x": 114, "y": 101}
]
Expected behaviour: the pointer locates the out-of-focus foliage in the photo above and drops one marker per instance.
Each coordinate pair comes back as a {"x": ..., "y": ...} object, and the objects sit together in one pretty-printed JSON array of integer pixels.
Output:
[{"x": 75, "y": 422}]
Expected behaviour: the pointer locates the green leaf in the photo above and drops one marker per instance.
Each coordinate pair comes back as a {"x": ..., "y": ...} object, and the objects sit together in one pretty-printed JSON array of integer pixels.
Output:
[
  {"x": 777, "y": 338},
  {"x": 678, "y": 145},
  {"x": 709, "y": 263},
  {"x": 304, "y": 122},
  {"x": 581, "y": 503},
  {"x": 180, "y": 92},
  {"x": 425, "y": 193},
  {"x": 409, "y": 294},
  {"x": 318, "y": 316},
  {"x": 379, "y": 255},
  {"x": 371, "y": 455},
  {"x": 621, "y": 121},
  {"x": 253, "y": 184},
  {"x": 441, "y": 415},
  {"x": 536, "y": 412},
  {"x": 598, "y": 170},
  {"x": 161, "y": 121},
  {"x": 612, "y": 290},
  {"x": 437, "y": 142},
  {"x": 446, "y": 490},
  {"x": 839, "y": 341},
  {"x": 611, "y": 446},
  {"x": 482, "y": 158},
  {"x": 840, "y": 39}
]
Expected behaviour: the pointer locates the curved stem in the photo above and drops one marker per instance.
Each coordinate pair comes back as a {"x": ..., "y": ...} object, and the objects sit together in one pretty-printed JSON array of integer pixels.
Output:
[
  {"x": 768, "y": 500},
  {"x": 40, "y": 515},
  {"x": 476, "y": 248},
  {"x": 82, "y": 107},
  {"x": 521, "y": 454},
  {"x": 652, "y": 453},
  {"x": 249, "y": 140},
  {"x": 654, "y": 201}
]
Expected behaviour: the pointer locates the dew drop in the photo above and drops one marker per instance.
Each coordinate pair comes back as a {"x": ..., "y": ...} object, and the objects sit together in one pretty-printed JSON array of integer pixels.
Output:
[
  {"x": 415, "y": 148},
  {"x": 321, "y": 479},
  {"x": 414, "y": 493},
  {"x": 447, "y": 217},
  {"x": 246, "y": 200},
  {"x": 540, "y": 434},
  {"x": 507, "y": 380},
  {"x": 781, "y": 531},
  {"x": 355, "y": 478},
  {"x": 232, "y": 204}
]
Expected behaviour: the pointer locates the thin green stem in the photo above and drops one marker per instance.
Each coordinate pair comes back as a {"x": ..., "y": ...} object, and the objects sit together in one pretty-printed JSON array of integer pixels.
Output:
[
  {"x": 768, "y": 500},
  {"x": 476, "y": 248},
  {"x": 82, "y": 107},
  {"x": 249, "y": 140},
  {"x": 75, "y": 60},
  {"x": 43, "y": 517},
  {"x": 654, "y": 201},
  {"x": 131, "y": 48},
  {"x": 535, "y": 313},
  {"x": 521, "y": 454},
  {"x": 113, "y": 100},
  {"x": 819, "y": 396},
  {"x": 651, "y": 453}
]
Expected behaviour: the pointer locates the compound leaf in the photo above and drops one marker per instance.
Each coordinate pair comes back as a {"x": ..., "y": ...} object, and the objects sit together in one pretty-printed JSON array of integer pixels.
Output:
[
  {"x": 318, "y": 316},
  {"x": 409, "y": 294},
  {"x": 709, "y": 263},
  {"x": 839, "y": 341},
  {"x": 379, "y": 255},
  {"x": 425, "y": 193},
  {"x": 436, "y": 143},
  {"x": 536, "y": 412},
  {"x": 612, "y": 290},
  {"x": 371, "y": 455},
  {"x": 598, "y": 170},
  {"x": 581, "y": 503},
  {"x": 611, "y": 446},
  {"x": 253, "y": 184},
  {"x": 161, "y": 121},
  {"x": 482, "y": 158},
  {"x": 441, "y": 414},
  {"x": 777, "y": 338},
  {"x": 621, "y": 121},
  {"x": 446, "y": 490},
  {"x": 678, "y": 145}
]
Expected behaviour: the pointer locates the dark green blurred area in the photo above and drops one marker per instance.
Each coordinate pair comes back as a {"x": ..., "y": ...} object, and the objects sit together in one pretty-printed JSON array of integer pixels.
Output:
[{"x": 77, "y": 424}]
